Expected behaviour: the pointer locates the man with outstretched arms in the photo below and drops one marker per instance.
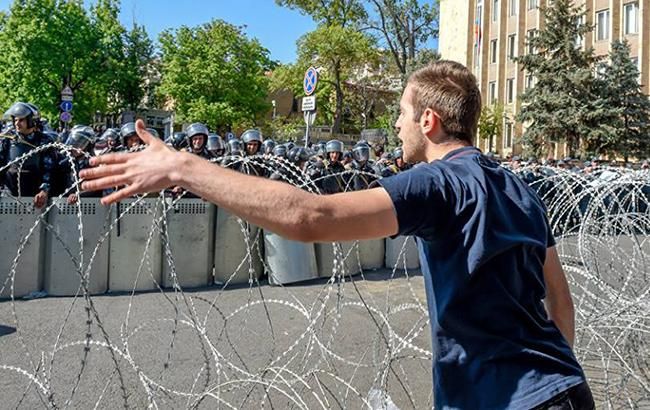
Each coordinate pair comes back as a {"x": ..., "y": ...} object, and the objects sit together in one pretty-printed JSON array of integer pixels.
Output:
[{"x": 501, "y": 314}]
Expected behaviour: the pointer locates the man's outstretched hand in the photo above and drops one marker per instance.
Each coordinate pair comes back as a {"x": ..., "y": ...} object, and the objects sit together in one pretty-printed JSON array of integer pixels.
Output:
[{"x": 151, "y": 170}]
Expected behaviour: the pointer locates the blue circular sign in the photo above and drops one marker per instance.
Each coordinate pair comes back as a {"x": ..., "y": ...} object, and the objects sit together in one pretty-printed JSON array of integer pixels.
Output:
[
  {"x": 66, "y": 116},
  {"x": 66, "y": 106},
  {"x": 310, "y": 81}
]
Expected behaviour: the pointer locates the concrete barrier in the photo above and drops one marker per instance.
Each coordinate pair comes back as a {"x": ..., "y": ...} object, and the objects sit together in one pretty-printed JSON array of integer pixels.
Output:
[
  {"x": 372, "y": 254},
  {"x": 62, "y": 277},
  {"x": 16, "y": 220},
  {"x": 135, "y": 261},
  {"x": 325, "y": 258},
  {"x": 190, "y": 229},
  {"x": 233, "y": 256},
  {"x": 289, "y": 261},
  {"x": 403, "y": 252}
]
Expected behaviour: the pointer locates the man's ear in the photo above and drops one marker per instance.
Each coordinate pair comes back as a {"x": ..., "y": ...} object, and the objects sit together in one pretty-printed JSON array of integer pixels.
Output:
[{"x": 429, "y": 122}]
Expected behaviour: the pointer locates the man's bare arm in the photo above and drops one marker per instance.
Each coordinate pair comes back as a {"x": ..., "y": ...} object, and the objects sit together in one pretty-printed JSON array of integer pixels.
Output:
[
  {"x": 558, "y": 302},
  {"x": 275, "y": 206}
]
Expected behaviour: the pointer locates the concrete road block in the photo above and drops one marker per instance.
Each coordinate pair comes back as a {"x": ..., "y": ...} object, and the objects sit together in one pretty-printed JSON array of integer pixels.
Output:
[
  {"x": 289, "y": 261},
  {"x": 399, "y": 249},
  {"x": 16, "y": 220},
  {"x": 62, "y": 277},
  {"x": 131, "y": 249},
  {"x": 190, "y": 228},
  {"x": 233, "y": 256},
  {"x": 372, "y": 253},
  {"x": 325, "y": 258}
]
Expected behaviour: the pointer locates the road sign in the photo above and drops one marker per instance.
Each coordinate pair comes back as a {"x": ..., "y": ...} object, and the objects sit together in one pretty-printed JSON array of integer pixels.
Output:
[
  {"x": 67, "y": 94},
  {"x": 310, "y": 81},
  {"x": 309, "y": 103},
  {"x": 309, "y": 117},
  {"x": 66, "y": 106},
  {"x": 66, "y": 116}
]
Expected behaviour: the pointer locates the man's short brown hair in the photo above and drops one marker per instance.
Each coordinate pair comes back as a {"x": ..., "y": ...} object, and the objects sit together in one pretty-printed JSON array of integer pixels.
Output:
[{"x": 451, "y": 90}]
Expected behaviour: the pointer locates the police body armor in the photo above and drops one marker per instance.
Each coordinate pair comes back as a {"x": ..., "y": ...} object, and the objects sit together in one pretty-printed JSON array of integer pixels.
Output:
[
  {"x": 334, "y": 180},
  {"x": 364, "y": 177},
  {"x": 34, "y": 170}
]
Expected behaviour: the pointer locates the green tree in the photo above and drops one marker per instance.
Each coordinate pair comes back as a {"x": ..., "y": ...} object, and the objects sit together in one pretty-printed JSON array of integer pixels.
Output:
[
  {"x": 328, "y": 12},
  {"x": 405, "y": 26},
  {"x": 215, "y": 74},
  {"x": 629, "y": 127},
  {"x": 490, "y": 124},
  {"x": 563, "y": 104},
  {"x": 138, "y": 72},
  {"x": 338, "y": 52}
]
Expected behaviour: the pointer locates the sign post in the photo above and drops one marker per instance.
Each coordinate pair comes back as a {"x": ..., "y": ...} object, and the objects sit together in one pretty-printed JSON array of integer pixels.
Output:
[
  {"x": 309, "y": 101},
  {"x": 66, "y": 105}
]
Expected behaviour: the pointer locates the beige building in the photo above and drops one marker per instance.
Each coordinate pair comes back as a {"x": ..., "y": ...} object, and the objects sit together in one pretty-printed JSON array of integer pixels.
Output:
[{"x": 486, "y": 34}]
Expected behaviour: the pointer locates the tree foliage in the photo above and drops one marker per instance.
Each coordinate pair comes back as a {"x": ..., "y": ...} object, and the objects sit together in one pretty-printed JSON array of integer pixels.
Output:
[
  {"x": 490, "y": 124},
  {"x": 328, "y": 12},
  {"x": 214, "y": 74},
  {"x": 563, "y": 105},
  {"x": 405, "y": 26},
  {"x": 629, "y": 125},
  {"x": 50, "y": 44}
]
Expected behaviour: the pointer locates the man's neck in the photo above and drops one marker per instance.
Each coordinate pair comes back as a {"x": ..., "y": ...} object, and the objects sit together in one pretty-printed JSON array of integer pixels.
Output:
[{"x": 438, "y": 151}]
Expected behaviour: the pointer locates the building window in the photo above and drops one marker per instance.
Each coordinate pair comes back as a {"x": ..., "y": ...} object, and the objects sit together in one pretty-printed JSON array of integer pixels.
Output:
[
  {"x": 530, "y": 34},
  {"x": 532, "y": 4},
  {"x": 512, "y": 9},
  {"x": 510, "y": 90},
  {"x": 602, "y": 25},
  {"x": 493, "y": 51},
  {"x": 512, "y": 46},
  {"x": 631, "y": 17},
  {"x": 509, "y": 131},
  {"x": 635, "y": 60},
  {"x": 580, "y": 40},
  {"x": 529, "y": 81},
  {"x": 495, "y": 10},
  {"x": 492, "y": 92}
]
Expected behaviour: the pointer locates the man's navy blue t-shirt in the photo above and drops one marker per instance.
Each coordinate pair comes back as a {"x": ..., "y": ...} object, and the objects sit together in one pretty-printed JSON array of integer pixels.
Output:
[{"x": 482, "y": 234}]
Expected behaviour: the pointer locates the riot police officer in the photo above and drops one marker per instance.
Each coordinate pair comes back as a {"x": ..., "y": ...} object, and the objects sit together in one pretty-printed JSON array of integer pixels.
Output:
[
  {"x": 31, "y": 177},
  {"x": 364, "y": 174},
  {"x": 253, "y": 141},
  {"x": 80, "y": 140},
  {"x": 112, "y": 138},
  {"x": 215, "y": 146},
  {"x": 197, "y": 137},
  {"x": 398, "y": 159},
  {"x": 332, "y": 177},
  {"x": 129, "y": 136},
  {"x": 267, "y": 146},
  {"x": 177, "y": 140}
]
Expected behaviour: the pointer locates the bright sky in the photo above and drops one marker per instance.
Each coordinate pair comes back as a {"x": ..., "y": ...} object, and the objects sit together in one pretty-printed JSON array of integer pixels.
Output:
[{"x": 276, "y": 28}]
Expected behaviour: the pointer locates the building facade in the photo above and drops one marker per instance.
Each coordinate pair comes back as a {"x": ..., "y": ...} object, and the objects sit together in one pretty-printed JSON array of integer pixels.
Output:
[{"x": 485, "y": 35}]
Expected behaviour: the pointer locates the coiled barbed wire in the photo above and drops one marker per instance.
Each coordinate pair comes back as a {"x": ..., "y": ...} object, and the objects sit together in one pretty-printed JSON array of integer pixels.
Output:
[{"x": 303, "y": 354}]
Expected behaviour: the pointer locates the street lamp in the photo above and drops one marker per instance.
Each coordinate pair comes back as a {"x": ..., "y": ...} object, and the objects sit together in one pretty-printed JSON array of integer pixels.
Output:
[{"x": 274, "y": 111}]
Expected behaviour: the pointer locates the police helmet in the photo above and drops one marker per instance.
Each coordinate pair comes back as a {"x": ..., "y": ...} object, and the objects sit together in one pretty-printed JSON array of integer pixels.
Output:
[
  {"x": 127, "y": 131},
  {"x": 178, "y": 140},
  {"x": 215, "y": 145},
  {"x": 334, "y": 146},
  {"x": 111, "y": 135},
  {"x": 251, "y": 135},
  {"x": 267, "y": 146},
  {"x": 80, "y": 138},
  {"x": 298, "y": 155},
  {"x": 23, "y": 110},
  {"x": 361, "y": 152},
  {"x": 398, "y": 153},
  {"x": 280, "y": 151},
  {"x": 196, "y": 129},
  {"x": 235, "y": 147}
]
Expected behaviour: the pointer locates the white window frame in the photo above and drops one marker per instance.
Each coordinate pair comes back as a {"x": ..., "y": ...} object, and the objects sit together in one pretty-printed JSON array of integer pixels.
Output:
[
  {"x": 513, "y": 5},
  {"x": 508, "y": 133},
  {"x": 494, "y": 50},
  {"x": 495, "y": 11},
  {"x": 512, "y": 46},
  {"x": 633, "y": 26},
  {"x": 580, "y": 39},
  {"x": 529, "y": 81},
  {"x": 602, "y": 25},
  {"x": 510, "y": 90},
  {"x": 532, "y": 4},
  {"x": 492, "y": 92},
  {"x": 530, "y": 34}
]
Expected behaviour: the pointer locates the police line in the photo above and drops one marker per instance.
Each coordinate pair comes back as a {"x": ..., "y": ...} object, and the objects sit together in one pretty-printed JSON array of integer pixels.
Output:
[{"x": 141, "y": 244}]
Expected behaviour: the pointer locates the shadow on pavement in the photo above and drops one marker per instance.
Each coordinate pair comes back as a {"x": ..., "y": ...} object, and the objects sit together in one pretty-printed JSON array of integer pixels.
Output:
[{"x": 6, "y": 330}]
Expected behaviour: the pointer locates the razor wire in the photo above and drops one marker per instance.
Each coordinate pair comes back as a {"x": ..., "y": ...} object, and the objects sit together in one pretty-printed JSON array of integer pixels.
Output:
[{"x": 276, "y": 348}]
